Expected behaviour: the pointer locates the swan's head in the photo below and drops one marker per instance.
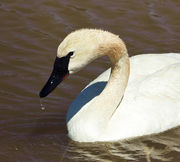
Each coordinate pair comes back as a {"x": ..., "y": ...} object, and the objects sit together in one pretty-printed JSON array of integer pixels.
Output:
[{"x": 77, "y": 50}]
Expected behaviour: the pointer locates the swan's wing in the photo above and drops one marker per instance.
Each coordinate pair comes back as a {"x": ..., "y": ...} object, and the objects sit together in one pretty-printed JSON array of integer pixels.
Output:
[
  {"x": 152, "y": 97},
  {"x": 163, "y": 84},
  {"x": 146, "y": 64},
  {"x": 155, "y": 75}
]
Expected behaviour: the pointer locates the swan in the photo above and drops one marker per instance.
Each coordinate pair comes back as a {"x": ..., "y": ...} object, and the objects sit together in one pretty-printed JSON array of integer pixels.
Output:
[{"x": 135, "y": 97}]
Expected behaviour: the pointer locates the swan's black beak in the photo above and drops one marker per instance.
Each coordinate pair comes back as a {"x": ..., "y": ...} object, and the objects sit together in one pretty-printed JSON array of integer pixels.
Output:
[{"x": 59, "y": 73}]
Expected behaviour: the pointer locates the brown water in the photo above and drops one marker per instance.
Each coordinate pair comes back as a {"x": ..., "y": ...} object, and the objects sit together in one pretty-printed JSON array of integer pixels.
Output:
[{"x": 30, "y": 32}]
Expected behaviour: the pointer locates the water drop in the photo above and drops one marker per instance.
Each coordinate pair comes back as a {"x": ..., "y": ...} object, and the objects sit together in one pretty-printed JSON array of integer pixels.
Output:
[{"x": 42, "y": 105}]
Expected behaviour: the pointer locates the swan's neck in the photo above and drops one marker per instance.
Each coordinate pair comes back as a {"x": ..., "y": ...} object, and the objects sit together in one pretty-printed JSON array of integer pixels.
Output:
[
  {"x": 99, "y": 112},
  {"x": 115, "y": 88},
  {"x": 107, "y": 102}
]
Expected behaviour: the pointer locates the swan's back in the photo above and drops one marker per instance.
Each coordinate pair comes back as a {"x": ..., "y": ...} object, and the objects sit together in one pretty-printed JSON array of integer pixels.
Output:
[
  {"x": 147, "y": 64},
  {"x": 156, "y": 76}
]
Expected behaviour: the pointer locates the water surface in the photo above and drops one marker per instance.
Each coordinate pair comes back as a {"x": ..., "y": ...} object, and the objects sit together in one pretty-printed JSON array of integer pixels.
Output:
[{"x": 30, "y": 32}]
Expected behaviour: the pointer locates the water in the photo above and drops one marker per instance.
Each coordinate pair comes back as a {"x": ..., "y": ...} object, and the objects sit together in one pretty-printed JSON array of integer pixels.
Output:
[
  {"x": 30, "y": 32},
  {"x": 42, "y": 105}
]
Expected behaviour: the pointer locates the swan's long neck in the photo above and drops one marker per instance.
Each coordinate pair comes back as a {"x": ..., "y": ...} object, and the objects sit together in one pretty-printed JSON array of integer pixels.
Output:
[
  {"x": 107, "y": 102},
  {"x": 115, "y": 88},
  {"x": 102, "y": 108}
]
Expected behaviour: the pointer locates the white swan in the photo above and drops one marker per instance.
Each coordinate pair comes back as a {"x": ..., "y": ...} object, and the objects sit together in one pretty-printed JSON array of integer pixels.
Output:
[{"x": 146, "y": 102}]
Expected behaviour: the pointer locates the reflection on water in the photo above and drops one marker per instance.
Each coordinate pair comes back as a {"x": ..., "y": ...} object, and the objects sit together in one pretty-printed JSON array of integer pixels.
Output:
[
  {"x": 30, "y": 32},
  {"x": 157, "y": 147}
]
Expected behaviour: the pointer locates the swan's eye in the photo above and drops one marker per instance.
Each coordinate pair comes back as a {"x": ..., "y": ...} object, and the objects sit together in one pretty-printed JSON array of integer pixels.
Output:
[{"x": 71, "y": 54}]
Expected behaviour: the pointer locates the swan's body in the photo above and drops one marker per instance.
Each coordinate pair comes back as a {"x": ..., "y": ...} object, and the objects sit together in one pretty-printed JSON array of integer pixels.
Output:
[{"x": 149, "y": 103}]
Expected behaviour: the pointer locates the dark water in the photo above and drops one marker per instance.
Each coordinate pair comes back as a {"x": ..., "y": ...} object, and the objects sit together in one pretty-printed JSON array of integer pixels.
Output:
[{"x": 30, "y": 32}]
